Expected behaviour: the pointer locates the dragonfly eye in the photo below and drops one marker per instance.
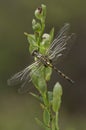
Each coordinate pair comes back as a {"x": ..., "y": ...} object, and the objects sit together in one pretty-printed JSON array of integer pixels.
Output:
[{"x": 34, "y": 52}]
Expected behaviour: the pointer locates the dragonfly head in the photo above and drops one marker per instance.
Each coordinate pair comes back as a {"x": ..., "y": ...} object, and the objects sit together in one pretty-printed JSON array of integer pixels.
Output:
[{"x": 34, "y": 52}]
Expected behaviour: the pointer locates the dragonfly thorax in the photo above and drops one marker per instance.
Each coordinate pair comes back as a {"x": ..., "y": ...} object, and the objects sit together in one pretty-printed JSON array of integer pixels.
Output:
[{"x": 42, "y": 58}]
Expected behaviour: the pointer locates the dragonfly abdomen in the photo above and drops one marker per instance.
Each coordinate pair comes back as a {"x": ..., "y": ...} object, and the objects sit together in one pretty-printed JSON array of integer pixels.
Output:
[{"x": 63, "y": 75}]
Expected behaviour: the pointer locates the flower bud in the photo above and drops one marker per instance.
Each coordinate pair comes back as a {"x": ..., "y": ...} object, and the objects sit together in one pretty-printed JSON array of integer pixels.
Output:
[
  {"x": 45, "y": 36},
  {"x": 33, "y": 22},
  {"x": 37, "y": 27},
  {"x": 38, "y": 13}
]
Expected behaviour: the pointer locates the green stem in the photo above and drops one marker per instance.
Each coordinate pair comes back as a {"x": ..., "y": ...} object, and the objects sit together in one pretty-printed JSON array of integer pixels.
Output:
[
  {"x": 40, "y": 36},
  {"x": 57, "y": 127}
]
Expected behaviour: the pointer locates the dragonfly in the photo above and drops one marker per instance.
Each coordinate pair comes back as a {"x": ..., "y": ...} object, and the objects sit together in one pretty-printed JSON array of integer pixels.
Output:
[{"x": 55, "y": 51}]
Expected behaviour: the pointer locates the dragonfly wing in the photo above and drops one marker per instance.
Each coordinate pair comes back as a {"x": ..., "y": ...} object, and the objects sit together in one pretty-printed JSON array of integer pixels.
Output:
[
  {"x": 36, "y": 70},
  {"x": 24, "y": 87},
  {"x": 60, "y": 43},
  {"x": 22, "y": 76},
  {"x": 60, "y": 36}
]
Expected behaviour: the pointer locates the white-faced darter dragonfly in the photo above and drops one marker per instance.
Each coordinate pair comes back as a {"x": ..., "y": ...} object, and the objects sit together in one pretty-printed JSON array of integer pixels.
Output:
[{"x": 53, "y": 52}]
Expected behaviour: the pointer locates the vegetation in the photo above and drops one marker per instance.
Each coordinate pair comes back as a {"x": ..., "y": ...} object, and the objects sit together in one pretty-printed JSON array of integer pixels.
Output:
[{"x": 50, "y": 100}]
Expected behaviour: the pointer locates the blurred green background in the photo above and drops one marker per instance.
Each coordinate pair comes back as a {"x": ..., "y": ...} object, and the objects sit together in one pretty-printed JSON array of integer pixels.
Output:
[{"x": 17, "y": 111}]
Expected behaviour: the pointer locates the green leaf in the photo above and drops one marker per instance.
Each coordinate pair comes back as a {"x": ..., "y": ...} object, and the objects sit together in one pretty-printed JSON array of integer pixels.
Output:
[
  {"x": 32, "y": 42},
  {"x": 37, "y": 96},
  {"x": 39, "y": 81},
  {"x": 50, "y": 96},
  {"x": 44, "y": 13},
  {"x": 57, "y": 93},
  {"x": 48, "y": 72},
  {"x": 42, "y": 85},
  {"x": 46, "y": 117},
  {"x": 40, "y": 123},
  {"x": 51, "y": 34},
  {"x": 31, "y": 38},
  {"x": 37, "y": 27}
]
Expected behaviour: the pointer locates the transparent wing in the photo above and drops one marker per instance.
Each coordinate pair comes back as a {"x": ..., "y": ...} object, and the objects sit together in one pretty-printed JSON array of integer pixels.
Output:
[
  {"x": 35, "y": 71},
  {"x": 22, "y": 76},
  {"x": 24, "y": 87},
  {"x": 60, "y": 43}
]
